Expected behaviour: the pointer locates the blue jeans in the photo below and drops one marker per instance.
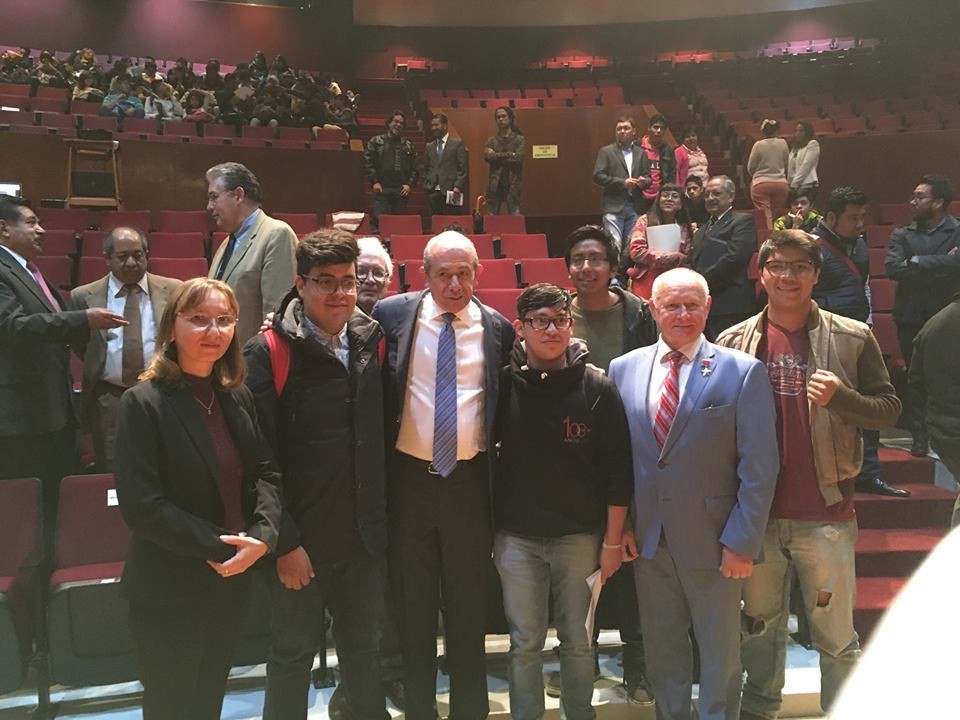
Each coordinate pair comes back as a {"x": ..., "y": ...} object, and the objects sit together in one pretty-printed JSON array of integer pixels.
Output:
[
  {"x": 532, "y": 570},
  {"x": 620, "y": 226},
  {"x": 354, "y": 592},
  {"x": 823, "y": 555}
]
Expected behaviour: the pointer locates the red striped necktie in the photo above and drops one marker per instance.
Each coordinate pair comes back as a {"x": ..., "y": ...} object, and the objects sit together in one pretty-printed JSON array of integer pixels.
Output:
[{"x": 669, "y": 399}]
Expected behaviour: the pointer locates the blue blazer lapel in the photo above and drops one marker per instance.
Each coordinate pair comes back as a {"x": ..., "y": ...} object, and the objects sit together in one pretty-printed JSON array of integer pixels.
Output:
[{"x": 696, "y": 382}]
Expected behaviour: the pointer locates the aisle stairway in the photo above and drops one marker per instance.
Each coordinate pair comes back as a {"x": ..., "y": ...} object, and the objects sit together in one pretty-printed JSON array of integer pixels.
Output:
[{"x": 896, "y": 534}]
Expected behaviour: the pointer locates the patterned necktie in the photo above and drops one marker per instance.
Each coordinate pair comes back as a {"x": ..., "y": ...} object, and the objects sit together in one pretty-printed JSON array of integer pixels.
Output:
[
  {"x": 131, "y": 362},
  {"x": 445, "y": 401},
  {"x": 38, "y": 276},
  {"x": 227, "y": 254},
  {"x": 439, "y": 147},
  {"x": 669, "y": 399}
]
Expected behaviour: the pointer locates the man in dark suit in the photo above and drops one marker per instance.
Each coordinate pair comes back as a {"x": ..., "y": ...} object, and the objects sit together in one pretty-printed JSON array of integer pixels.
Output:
[
  {"x": 621, "y": 170},
  {"x": 445, "y": 169},
  {"x": 444, "y": 354},
  {"x": 722, "y": 249},
  {"x": 112, "y": 361},
  {"x": 36, "y": 415}
]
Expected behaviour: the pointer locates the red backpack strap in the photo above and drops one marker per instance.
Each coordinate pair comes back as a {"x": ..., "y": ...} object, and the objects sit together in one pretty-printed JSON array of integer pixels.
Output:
[
  {"x": 382, "y": 350},
  {"x": 279, "y": 348}
]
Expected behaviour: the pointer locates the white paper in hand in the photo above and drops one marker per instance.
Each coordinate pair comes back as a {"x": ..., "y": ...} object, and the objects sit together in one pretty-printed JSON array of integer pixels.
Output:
[
  {"x": 454, "y": 198},
  {"x": 664, "y": 238},
  {"x": 593, "y": 582}
]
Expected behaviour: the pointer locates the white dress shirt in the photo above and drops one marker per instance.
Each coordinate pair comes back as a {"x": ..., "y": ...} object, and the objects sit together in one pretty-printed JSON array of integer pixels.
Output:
[
  {"x": 661, "y": 366},
  {"x": 113, "y": 367},
  {"x": 627, "y": 153},
  {"x": 416, "y": 424}
]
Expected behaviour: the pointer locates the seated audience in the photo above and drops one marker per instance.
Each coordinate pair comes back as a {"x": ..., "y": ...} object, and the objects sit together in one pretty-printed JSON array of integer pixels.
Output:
[
  {"x": 87, "y": 88},
  {"x": 123, "y": 103},
  {"x": 162, "y": 104},
  {"x": 801, "y": 214}
]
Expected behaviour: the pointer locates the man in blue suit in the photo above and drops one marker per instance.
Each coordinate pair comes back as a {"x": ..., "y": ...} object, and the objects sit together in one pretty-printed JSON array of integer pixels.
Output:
[{"x": 703, "y": 430}]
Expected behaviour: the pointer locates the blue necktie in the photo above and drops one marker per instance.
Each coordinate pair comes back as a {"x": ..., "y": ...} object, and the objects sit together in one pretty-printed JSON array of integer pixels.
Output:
[
  {"x": 445, "y": 401},
  {"x": 227, "y": 254}
]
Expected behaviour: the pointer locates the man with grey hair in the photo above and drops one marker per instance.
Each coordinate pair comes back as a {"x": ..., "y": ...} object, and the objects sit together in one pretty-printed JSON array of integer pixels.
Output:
[
  {"x": 113, "y": 360},
  {"x": 374, "y": 270},
  {"x": 722, "y": 248},
  {"x": 258, "y": 259},
  {"x": 705, "y": 460},
  {"x": 444, "y": 354}
]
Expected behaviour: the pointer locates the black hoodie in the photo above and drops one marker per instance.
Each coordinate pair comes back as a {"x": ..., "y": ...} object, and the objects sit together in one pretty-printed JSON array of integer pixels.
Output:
[{"x": 564, "y": 448}]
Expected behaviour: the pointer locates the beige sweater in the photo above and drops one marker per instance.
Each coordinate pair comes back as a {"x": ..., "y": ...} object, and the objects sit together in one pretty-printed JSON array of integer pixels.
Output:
[{"x": 768, "y": 160}]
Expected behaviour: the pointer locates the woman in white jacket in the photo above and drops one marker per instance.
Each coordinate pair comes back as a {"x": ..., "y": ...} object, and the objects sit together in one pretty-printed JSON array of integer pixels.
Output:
[
  {"x": 163, "y": 104},
  {"x": 804, "y": 158}
]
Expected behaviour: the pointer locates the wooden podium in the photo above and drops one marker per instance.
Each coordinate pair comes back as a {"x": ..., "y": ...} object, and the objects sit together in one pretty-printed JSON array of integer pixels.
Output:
[{"x": 93, "y": 173}]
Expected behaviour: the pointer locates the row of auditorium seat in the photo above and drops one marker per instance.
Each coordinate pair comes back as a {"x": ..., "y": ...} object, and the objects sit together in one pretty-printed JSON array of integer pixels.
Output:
[
  {"x": 67, "y": 125},
  {"x": 66, "y": 272},
  {"x": 84, "y": 619},
  {"x": 608, "y": 97}
]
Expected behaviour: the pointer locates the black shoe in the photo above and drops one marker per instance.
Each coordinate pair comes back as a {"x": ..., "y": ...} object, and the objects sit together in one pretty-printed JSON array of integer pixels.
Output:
[
  {"x": 638, "y": 691},
  {"x": 393, "y": 690},
  {"x": 920, "y": 447},
  {"x": 338, "y": 708},
  {"x": 876, "y": 486}
]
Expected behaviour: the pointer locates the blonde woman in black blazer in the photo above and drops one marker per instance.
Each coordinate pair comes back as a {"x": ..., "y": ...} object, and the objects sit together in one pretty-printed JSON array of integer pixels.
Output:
[{"x": 199, "y": 489}]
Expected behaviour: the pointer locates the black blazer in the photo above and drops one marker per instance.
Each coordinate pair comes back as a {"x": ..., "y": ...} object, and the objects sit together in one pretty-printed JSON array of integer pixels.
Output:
[
  {"x": 398, "y": 317},
  {"x": 610, "y": 170},
  {"x": 166, "y": 471},
  {"x": 721, "y": 254},
  {"x": 34, "y": 353}
]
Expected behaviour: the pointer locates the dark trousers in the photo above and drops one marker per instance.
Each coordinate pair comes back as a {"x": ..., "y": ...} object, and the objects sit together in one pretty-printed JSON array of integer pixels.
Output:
[
  {"x": 389, "y": 201},
  {"x": 914, "y": 414},
  {"x": 438, "y": 206},
  {"x": 440, "y": 545},
  {"x": 184, "y": 653},
  {"x": 104, "y": 410},
  {"x": 49, "y": 457},
  {"x": 871, "y": 455},
  {"x": 353, "y": 591}
]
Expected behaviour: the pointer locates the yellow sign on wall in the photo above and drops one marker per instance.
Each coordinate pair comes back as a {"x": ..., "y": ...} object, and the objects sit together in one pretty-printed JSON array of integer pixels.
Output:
[{"x": 544, "y": 152}]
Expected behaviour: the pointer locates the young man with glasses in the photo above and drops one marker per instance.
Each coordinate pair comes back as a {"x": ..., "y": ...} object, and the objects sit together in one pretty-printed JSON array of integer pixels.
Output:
[
  {"x": 326, "y": 428},
  {"x": 829, "y": 380},
  {"x": 611, "y": 321},
  {"x": 561, "y": 491}
]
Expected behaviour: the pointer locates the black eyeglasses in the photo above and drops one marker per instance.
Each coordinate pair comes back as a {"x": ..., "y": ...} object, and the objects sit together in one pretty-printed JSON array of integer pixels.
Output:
[
  {"x": 330, "y": 285},
  {"x": 562, "y": 322}
]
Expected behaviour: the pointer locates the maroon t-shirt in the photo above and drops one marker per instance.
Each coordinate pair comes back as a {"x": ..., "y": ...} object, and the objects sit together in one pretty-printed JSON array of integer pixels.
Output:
[
  {"x": 656, "y": 175},
  {"x": 798, "y": 497}
]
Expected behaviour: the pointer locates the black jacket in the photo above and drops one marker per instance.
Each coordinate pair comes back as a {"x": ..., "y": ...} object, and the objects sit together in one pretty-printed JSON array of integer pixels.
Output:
[
  {"x": 721, "y": 253},
  {"x": 924, "y": 287},
  {"x": 327, "y": 431},
  {"x": 166, "y": 474},
  {"x": 934, "y": 379},
  {"x": 375, "y": 163},
  {"x": 34, "y": 354},
  {"x": 564, "y": 448},
  {"x": 839, "y": 289}
]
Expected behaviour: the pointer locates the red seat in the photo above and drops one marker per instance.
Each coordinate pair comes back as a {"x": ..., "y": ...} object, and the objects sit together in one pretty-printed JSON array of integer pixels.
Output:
[
  {"x": 408, "y": 247},
  {"x": 882, "y": 293},
  {"x": 302, "y": 223},
  {"x": 58, "y": 124},
  {"x": 878, "y": 258},
  {"x": 261, "y": 132},
  {"x": 176, "y": 245},
  {"x": 14, "y": 118},
  {"x": 95, "y": 122},
  {"x": 582, "y": 100},
  {"x": 21, "y": 540},
  {"x": 562, "y": 92},
  {"x": 19, "y": 102},
  {"x": 91, "y": 243},
  {"x": 472, "y": 103},
  {"x": 76, "y": 219},
  {"x": 500, "y": 273},
  {"x": 878, "y": 236},
  {"x": 554, "y": 102},
  {"x": 885, "y": 331},
  {"x": 139, "y": 219},
  {"x": 438, "y": 222},
  {"x": 331, "y": 136},
  {"x": 183, "y": 129},
  {"x": 90, "y": 269},
  {"x": 219, "y": 130},
  {"x": 525, "y": 103},
  {"x": 181, "y": 221},
  {"x": 89, "y": 640},
  {"x": 59, "y": 242},
  {"x": 57, "y": 270},
  {"x": 139, "y": 126},
  {"x": 39, "y": 104},
  {"x": 391, "y": 225},
  {"x": 497, "y": 225},
  {"x": 484, "y": 246},
  {"x": 612, "y": 96},
  {"x": 548, "y": 270},
  {"x": 179, "y": 268},
  {"x": 535, "y": 93},
  {"x": 895, "y": 214},
  {"x": 521, "y": 246},
  {"x": 412, "y": 278},
  {"x": 296, "y": 133},
  {"x": 20, "y": 89},
  {"x": 503, "y": 300}
]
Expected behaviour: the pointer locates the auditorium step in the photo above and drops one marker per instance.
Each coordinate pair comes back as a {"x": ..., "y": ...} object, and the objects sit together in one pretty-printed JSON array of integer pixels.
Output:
[{"x": 896, "y": 534}]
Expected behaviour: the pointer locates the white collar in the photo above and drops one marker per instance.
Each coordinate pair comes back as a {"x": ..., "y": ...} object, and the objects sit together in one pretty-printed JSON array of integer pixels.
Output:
[
  {"x": 16, "y": 256},
  {"x": 688, "y": 351},
  {"x": 431, "y": 311},
  {"x": 114, "y": 286}
]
